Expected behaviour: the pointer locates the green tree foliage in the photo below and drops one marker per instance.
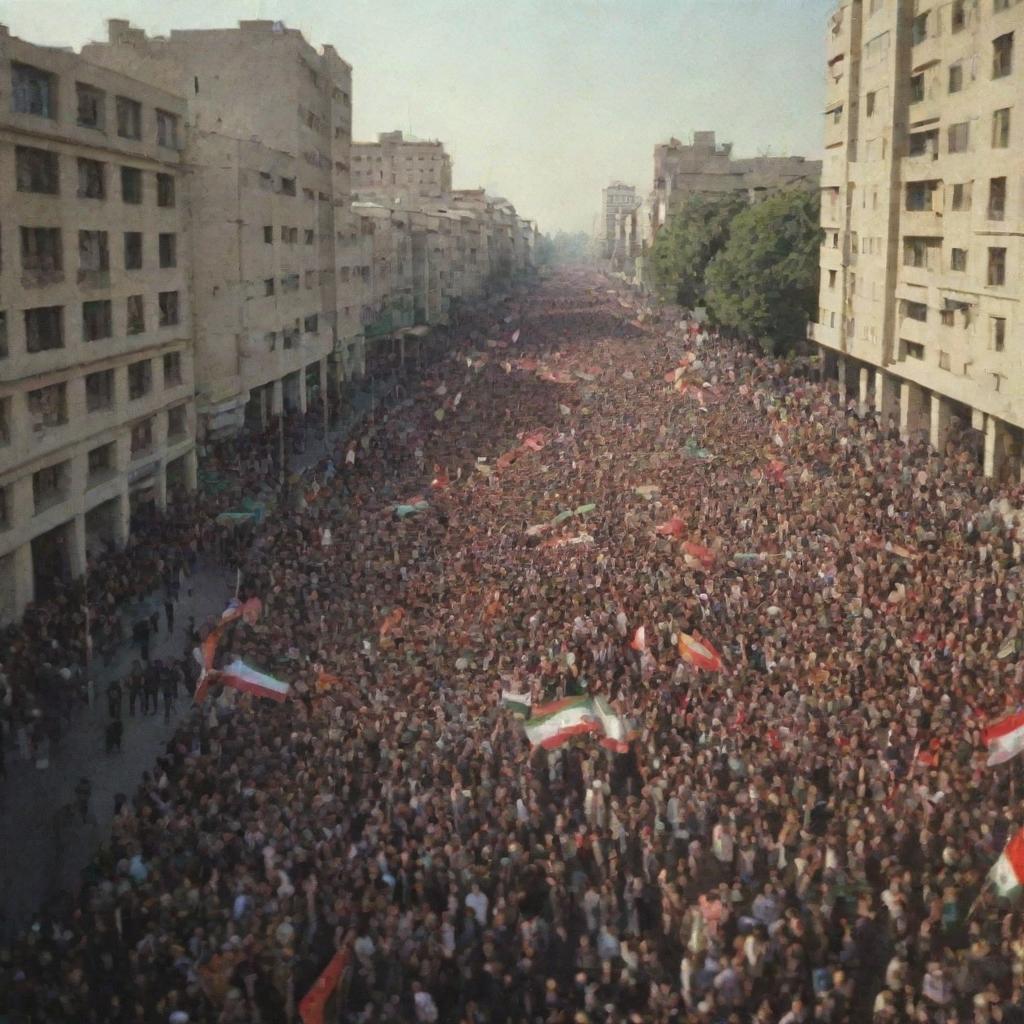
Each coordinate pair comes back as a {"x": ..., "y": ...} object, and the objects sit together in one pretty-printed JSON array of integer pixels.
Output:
[
  {"x": 764, "y": 282},
  {"x": 698, "y": 229}
]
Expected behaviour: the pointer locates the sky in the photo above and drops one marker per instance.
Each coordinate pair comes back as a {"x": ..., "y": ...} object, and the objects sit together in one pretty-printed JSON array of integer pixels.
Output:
[{"x": 541, "y": 101}]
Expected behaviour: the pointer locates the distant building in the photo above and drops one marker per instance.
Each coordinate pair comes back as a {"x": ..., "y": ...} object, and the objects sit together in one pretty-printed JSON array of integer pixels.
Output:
[
  {"x": 620, "y": 238},
  {"x": 705, "y": 167},
  {"x": 395, "y": 167},
  {"x": 923, "y": 217},
  {"x": 96, "y": 354}
]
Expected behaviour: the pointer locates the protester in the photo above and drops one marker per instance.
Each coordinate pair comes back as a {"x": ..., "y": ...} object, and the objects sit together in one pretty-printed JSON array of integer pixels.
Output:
[{"x": 800, "y": 834}]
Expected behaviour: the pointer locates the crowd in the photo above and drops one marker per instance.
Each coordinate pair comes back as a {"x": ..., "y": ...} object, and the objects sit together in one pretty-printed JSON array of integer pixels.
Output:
[{"x": 801, "y": 837}]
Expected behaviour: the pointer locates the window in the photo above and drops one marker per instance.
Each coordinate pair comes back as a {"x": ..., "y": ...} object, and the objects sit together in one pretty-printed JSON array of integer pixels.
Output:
[
  {"x": 1002, "y": 5},
  {"x": 1001, "y": 128},
  {"x": 919, "y": 29},
  {"x": 958, "y": 260},
  {"x": 915, "y": 311},
  {"x": 140, "y": 379},
  {"x": 996, "y": 266},
  {"x": 99, "y": 390},
  {"x": 831, "y": 278},
  {"x": 3, "y": 335},
  {"x": 309, "y": 236},
  {"x": 288, "y": 186},
  {"x": 168, "y": 250},
  {"x": 917, "y": 88},
  {"x": 168, "y": 309},
  {"x": 956, "y": 77},
  {"x": 290, "y": 337},
  {"x": 837, "y": 116},
  {"x": 290, "y": 283},
  {"x": 37, "y": 170},
  {"x": 177, "y": 422},
  {"x": 44, "y": 328},
  {"x": 946, "y": 317},
  {"x": 142, "y": 438},
  {"x": 90, "y": 106},
  {"x": 165, "y": 190},
  {"x": 93, "y": 256},
  {"x": 266, "y": 181},
  {"x": 135, "y": 310},
  {"x": 5, "y": 421},
  {"x": 309, "y": 278},
  {"x": 101, "y": 461},
  {"x": 96, "y": 320},
  {"x": 921, "y": 196},
  {"x": 42, "y": 254},
  {"x": 998, "y": 333},
  {"x": 996, "y": 198},
  {"x": 129, "y": 118},
  {"x": 131, "y": 185},
  {"x": 166, "y": 129},
  {"x": 49, "y": 486},
  {"x": 924, "y": 143},
  {"x": 310, "y": 324},
  {"x": 268, "y": 234},
  {"x": 912, "y": 349},
  {"x": 961, "y": 196},
  {"x": 959, "y": 137},
  {"x": 172, "y": 369},
  {"x": 48, "y": 407},
  {"x": 268, "y": 286},
  {"x": 91, "y": 179},
  {"x": 133, "y": 250},
  {"x": 943, "y": 360},
  {"x": 1002, "y": 55},
  {"x": 958, "y": 16},
  {"x": 33, "y": 91}
]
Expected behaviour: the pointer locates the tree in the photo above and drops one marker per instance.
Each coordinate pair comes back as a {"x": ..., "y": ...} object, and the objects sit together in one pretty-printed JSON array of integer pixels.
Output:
[
  {"x": 765, "y": 281},
  {"x": 696, "y": 233}
]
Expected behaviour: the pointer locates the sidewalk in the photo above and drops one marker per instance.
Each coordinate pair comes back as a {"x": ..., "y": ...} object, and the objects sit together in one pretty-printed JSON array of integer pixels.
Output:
[{"x": 34, "y": 865}]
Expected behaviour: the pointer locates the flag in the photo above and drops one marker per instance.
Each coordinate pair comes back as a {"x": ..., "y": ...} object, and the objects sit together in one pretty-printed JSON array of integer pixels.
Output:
[
  {"x": 515, "y": 336},
  {"x": 554, "y": 724},
  {"x": 242, "y": 677},
  {"x": 326, "y": 681},
  {"x": 518, "y": 703},
  {"x": 440, "y": 481},
  {"x": 1005, "y": 739},
  {"x": 211, "y": 643},
  {"x": 614, "y": 727},
  {"x": 314, "y": 1002},
  {"x": 699, "y": 653},
  {"x": 639, "y": 641},
  {"x": 1007, "y": 874},
  {"x": 674, "y": 527},
  {"x": 704, "y": 555},
  {"x": 233, "y": 610},
  {"x": 391, "y": 622},
  {"x": 251, "y": 611}
]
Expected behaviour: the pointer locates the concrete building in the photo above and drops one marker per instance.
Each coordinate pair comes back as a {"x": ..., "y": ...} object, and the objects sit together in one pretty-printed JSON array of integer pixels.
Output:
[
  {"x": 922, "y": 217},
  {"x": 268, "y": 141},
  {"x": 97, "y": 416},
  {"x": 706, "y": 167},
  {"x": 620, "y": 237},
  {"x": 395, "y": 167}
]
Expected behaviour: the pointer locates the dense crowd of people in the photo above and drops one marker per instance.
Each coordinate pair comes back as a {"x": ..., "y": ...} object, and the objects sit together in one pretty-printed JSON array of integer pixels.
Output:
[{"x": 803, "y": 836}]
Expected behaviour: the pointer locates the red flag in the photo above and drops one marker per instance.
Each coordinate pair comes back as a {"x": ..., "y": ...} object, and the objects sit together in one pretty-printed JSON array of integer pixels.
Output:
[
  {"x": 391, "y": 622},
  {"x": 699, "y": 653},
  {"x": 251, "y": 611},
  {"x": 639, "y": 641},
  {"x": 673, "y": 528},
  {"x": 314, "y": 1002},
  {"x": 440, "y": 481},
  {"x": 704, "y": 555},
  {"x": 210, "y": 645}
]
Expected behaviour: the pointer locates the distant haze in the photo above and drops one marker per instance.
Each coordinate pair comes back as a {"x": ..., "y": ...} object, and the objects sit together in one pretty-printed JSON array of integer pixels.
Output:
[{"x": 541, "y": 101}]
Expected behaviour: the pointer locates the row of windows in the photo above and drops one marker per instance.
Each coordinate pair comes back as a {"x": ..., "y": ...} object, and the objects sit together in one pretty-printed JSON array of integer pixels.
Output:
[
  {"x": 289, "y": 235},
  {"x": 35, "y": 91},
  {"x": 38, "y": 170},
  {"x": 958, "y": 137},
  {"x": 45, "y": 328},
  {"x": 928, "y": 197},
  {"x": 923, "y": 253},
  {"x": 958, "y": 314},
  {"x": 42, "y": 254}
]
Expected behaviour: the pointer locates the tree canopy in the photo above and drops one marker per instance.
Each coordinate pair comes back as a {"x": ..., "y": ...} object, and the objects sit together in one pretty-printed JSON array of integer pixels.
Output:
[
  {"x": 764, "y": 282},
  {"x": 697, "y": 231}
]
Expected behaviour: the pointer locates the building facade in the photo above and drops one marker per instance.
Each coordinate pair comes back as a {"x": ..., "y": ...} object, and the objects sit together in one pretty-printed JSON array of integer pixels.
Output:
[
  {"x": 707, "y": 167},
  {"x": 922, "y": 207},
  {"x": 396, "y": 167},
  {"x": 620, "y": 237},
  {"x": 97, "y": 418},
  {"x": 268, "y": 139}
]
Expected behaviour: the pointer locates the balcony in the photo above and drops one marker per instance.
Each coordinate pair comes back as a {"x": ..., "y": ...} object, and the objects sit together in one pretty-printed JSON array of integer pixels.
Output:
[
  {"x": 823, "y": 335},
  {"x": 922, "y": 223}
]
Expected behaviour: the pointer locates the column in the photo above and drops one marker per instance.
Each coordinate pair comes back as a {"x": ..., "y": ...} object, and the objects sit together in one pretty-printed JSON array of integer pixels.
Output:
[
  {"x": 191, "y": 469},
  {"x": 123, "y": 524},
  {"x": 277, "y": 397},
  {"x": 912, "y": 410},
  {"x": 997, "y": 445},
  {"x": 76, "y": 545},
  {"x": 303, "y": 398},
  {"x": 160, "y": 486},
  {"x": 841, "y": 372},
  {"x": 325, "y": 396},
  {"x": 938, "y": 425},
  {"x": 887, "y": 395},
  {"x": 24, "y": 578},
  {"x": 864, "y": 382}
]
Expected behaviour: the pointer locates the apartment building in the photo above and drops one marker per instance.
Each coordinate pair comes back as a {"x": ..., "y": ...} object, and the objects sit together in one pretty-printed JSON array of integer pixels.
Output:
[
  {"x": 922, "y": 215},
  {"x": 396, "y": 167},
  {"x": 268, "y": 121},
  {"x": 619, "y": 206},
  {"x": 706, "y": 167},
  {"x": 97, "y": 417}
]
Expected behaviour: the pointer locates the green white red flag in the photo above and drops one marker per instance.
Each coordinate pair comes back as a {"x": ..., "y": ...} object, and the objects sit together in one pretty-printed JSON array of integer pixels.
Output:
[
  {"x": 1005, "y": 738},
  {"x": 1007, "y": 874}
]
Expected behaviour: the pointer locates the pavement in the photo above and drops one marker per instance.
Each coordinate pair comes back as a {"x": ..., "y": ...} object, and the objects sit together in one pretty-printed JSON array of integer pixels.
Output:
[{"x": 44, "y": 844}]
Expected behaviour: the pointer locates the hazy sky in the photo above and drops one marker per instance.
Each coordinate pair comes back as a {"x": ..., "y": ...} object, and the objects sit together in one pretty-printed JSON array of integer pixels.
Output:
[{"x": 542, "y": 101}]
